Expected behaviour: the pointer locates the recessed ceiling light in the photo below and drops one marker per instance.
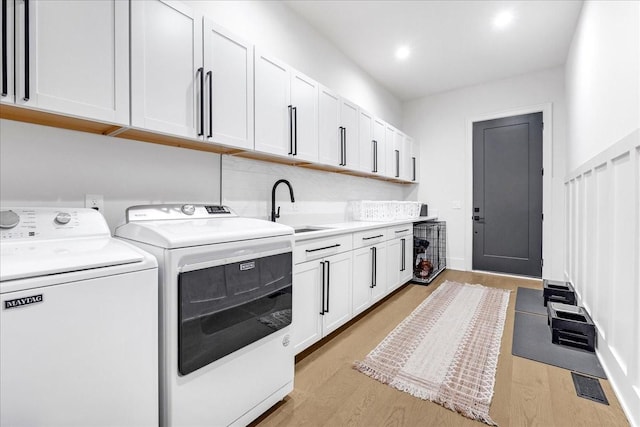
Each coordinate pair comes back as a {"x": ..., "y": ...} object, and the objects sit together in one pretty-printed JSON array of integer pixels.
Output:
[
  {"x": 503, "y": 19},
  {"x": 403, "y": 52}
]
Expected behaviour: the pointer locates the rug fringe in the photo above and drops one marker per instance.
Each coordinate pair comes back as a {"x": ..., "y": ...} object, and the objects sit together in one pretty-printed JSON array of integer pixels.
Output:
[{"x": 422, "y": 393}]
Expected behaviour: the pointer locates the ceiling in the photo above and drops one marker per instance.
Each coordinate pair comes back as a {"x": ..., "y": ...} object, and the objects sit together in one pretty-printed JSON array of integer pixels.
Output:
[{"x": 453, "y": 43}]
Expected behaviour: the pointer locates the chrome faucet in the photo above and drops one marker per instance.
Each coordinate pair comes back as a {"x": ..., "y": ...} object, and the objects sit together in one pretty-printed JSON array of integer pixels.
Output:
[{"x": 275, "y": 214}]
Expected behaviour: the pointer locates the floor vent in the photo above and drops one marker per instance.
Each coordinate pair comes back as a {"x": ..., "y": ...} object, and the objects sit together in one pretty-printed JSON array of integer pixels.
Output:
[{"x": 589, "y": 388}]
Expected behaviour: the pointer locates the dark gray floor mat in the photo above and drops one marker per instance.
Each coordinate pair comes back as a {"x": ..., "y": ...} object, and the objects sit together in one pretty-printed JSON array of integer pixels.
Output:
[
  {"x": 530, "y": 301},
  {"x": 532, "y": 340}
]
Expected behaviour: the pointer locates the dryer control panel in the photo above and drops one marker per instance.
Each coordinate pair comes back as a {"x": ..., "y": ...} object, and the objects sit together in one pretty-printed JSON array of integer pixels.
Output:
[
  {"x": 185, "y": 211},
  {"x": 50, "y": 223}
]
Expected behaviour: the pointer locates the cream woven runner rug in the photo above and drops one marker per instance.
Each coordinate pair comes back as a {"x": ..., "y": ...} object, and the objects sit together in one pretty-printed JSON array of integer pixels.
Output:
[{"x": 446, "y": 350}]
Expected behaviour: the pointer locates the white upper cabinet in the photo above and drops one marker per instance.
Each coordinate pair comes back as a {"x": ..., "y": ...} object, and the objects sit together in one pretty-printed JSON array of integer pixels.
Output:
[
  {"x": 304, "y": 101},
  {"x": 71, "y": 57},
  {"x": 379, "y": 146},
  {"x": 350, "y": 143},
  {"x": 367, "y": 143},
  {"x": 392, "y": 153},
  {"x": 409, "y": 157},
  {"x": 228, "y": 66},
  {"x": 329, "y": 143},
  {"x": 372, "y": 144},
  {"x": 273, "y": 113},
  {"x": 286, "y": 110},
  {"x": 167, "y": 73},
  {"x": 416, "y": 162}
]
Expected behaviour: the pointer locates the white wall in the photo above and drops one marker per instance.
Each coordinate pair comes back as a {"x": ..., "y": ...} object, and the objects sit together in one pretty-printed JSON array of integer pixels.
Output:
[
  {"x": 603, "y": 78},
  {"x": 275, "y": 28},
  {"x": 44, "y": 166},
  {"x": 440, "y": 124},
  {"x": 603, "y": 188}
]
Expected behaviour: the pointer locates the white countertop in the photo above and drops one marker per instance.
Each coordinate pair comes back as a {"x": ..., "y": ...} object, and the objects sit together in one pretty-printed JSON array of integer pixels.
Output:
[{"x": 326, "y": 230}]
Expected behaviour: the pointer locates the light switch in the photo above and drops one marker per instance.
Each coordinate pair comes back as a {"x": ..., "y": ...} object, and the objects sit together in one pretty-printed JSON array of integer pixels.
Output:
[{"x": 456, "y": 204}]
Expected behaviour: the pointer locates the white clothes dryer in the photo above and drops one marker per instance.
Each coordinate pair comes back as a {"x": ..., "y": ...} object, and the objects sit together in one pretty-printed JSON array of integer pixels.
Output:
[
  {"x": 225, "y": 312},
  {"x": 78, "y": 322}
]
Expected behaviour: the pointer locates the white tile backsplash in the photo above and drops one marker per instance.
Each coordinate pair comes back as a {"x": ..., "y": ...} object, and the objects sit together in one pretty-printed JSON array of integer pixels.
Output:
[{"x": 321, "y": 197}]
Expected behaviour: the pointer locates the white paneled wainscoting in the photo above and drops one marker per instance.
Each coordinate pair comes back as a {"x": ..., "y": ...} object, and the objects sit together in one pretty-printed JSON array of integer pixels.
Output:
[{"x": 603, "y": 259}]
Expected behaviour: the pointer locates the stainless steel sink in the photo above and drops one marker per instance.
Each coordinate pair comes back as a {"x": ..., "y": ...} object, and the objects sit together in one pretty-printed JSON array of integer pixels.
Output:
[{"x": 308, "y": 229}]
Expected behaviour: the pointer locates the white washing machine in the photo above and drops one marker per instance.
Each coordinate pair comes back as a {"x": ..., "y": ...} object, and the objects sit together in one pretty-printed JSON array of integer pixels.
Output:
[
  {"x": 78, "y": 322},
  {"x": 225, "y": 311}
]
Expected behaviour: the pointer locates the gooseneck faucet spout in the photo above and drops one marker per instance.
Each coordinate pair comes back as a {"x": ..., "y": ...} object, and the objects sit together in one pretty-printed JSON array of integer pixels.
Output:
[{"x": 275, "y": 214}]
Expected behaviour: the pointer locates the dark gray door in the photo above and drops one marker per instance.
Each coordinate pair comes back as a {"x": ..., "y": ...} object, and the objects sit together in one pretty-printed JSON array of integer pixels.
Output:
[{"x": 507, "y": 195}]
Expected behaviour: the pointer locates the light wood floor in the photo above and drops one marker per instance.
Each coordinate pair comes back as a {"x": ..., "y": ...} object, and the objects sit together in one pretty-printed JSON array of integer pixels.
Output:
[{"x": 328, "y": 392}]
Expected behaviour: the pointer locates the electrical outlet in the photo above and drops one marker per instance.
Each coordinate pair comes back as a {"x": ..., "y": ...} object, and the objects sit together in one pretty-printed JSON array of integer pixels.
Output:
[
  {"x": 94, "y": 201},
  {"x": 456, "y": 204}
]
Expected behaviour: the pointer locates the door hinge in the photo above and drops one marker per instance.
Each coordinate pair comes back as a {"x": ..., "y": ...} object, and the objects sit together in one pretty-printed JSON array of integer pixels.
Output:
[
  {"x": 541, "y": 262},
  {"x": 542, "y": 171},
  {"x": 542, "y": 125},
  {"x": 543, "y": 217}
]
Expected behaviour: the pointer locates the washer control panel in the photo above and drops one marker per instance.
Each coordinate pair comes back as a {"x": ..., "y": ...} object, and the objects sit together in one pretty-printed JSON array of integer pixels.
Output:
[
  {"x": 50, "y": 223},
  {"x": 169, "y": 212}
]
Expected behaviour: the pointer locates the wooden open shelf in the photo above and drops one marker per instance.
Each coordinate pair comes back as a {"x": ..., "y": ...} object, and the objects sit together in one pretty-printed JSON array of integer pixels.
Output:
[{"x": 28, "y": 115}]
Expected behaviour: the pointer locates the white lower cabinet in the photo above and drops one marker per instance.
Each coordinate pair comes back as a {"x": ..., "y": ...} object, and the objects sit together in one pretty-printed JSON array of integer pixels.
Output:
[
  {"x": 399, "y": 256},
  {"x": 321, "y": 289},
  {"x": 338, "y": 277},
  {"x": 369, "y": 269}
]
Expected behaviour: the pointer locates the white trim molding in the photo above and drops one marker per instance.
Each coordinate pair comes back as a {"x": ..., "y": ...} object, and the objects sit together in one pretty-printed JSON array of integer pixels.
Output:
[
  {"x": 547, "y": 163},
  {"x": 603, "y": 259}
]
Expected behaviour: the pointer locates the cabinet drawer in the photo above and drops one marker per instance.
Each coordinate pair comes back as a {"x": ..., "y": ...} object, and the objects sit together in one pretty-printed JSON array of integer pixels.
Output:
[
  {"x": 399, "y": 231},
  {"x": 320, "y": 248},
  {"x": 369, "y": 237}
]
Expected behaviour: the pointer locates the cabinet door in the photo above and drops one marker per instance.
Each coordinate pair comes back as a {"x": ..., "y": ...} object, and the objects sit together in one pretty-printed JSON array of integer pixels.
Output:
[
  {"x": 7, "y": 93},
  {"x": 328, "y": 124},
  {"x": 406, "y": 249},
  {"x": 379, "y": 130},
  {"x": 400, "y": 154},
  {"x": 272, "y": 106},
  {"x": 304, "y": 99},
  {"x": 337, "y": 292},
  {"x": 392, "y": 153},
  {"x": 363, "y": 279},
  {"x": 77, "y": 58},
  {"x": 415, "y": 162},
  {"x": 349, "y": 121},
  {"x": 394, "y": 263},
  {"x": 166, "y": 68},
  {"x": 380, "y": 289},
  {"x": 366, "y": 156},
  {"x": 228, "y": 64},
  {"x": 306, "y": 324},
  {"x": 406, "y": 159}
]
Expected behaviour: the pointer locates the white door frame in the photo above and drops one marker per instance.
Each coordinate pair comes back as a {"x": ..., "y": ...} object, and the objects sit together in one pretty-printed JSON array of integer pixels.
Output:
[{"x": 547, "y": 164}]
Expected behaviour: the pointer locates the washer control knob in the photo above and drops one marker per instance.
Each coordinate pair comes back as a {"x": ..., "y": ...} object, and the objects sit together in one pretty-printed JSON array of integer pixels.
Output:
[
  {"x": 62, "y": 218},
  {"x": 188, "y": 209},
  {"x": 9, "y": 219}
]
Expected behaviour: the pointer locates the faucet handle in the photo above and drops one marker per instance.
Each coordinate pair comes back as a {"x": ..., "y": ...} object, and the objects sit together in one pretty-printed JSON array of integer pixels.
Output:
[{"x": 278, "y": 213}]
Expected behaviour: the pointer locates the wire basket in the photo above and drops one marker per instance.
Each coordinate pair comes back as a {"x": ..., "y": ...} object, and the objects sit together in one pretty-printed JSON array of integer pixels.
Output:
[{"x": 379, "y": 210}]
